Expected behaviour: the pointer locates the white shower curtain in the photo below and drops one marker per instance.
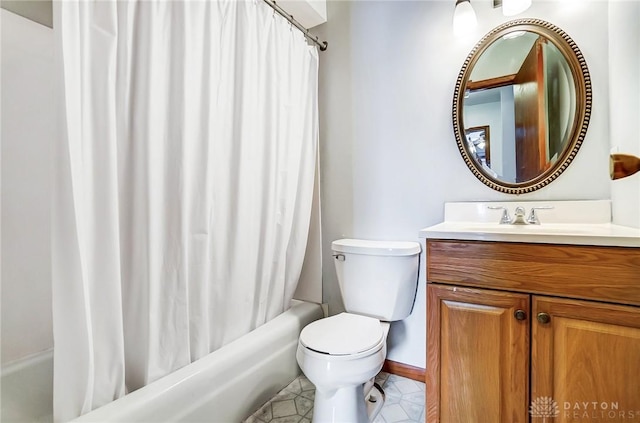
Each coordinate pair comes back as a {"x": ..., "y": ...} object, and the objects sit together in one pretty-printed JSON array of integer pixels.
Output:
[{"x": 183, "y": 185}]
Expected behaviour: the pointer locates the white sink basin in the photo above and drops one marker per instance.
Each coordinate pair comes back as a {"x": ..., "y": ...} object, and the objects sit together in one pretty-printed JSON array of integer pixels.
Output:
[
  {"x": 549, "y": 229},
  {"x": 570, "y": 222}
]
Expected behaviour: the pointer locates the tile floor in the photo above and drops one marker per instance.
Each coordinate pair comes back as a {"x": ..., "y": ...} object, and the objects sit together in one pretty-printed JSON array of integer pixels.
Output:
[{"x": 294, "y": 404}]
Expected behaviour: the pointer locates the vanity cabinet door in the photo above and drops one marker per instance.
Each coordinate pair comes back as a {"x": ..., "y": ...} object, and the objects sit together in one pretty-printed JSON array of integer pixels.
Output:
[
  {"x": 585, "y": 359},
  {"x": 477, "y": 355}
]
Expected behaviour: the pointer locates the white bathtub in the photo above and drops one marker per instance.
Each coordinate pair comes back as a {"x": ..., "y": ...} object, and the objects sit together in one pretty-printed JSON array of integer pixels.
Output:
[
  {"x": 27, "y": 389},
  {"x": 226, "y": 386}
]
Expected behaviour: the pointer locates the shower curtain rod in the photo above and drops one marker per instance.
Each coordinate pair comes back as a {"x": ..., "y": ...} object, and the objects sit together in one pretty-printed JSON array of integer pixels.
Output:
[{"x": 314, "y": 39}]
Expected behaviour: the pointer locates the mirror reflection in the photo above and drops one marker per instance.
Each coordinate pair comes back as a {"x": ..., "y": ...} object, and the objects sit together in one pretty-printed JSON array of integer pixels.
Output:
[
  {"x": 522, "y": 88},
  {"x": 521, "y": 106}
]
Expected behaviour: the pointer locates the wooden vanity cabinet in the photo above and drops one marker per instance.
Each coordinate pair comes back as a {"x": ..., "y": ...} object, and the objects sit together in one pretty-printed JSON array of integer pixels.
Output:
[
  {"x": 588, "y": 353},
  {"x": 508, "y": 327},
  {"x": 478, "y": 355}
]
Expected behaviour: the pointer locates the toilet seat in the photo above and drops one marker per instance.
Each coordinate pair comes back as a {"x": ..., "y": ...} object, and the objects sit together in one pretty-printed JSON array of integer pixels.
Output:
[{"x": 343, "y": 334}]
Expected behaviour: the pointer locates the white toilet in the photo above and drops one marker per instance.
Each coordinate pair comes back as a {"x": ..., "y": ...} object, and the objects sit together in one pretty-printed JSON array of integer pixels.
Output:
[{"x": 342, "y": 354}]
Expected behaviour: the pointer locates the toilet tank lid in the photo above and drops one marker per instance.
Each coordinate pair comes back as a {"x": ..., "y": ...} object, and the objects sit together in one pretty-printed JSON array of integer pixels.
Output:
[{"x": 376, "y": 248}]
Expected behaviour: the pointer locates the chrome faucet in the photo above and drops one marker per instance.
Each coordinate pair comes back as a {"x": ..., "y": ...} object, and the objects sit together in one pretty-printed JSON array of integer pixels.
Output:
[
  {"x": 532, "y": 219},
  {"x": 518, "y": 218},
  {"x": 519, "y": 214},
  {"x": 505, "y": 219}
]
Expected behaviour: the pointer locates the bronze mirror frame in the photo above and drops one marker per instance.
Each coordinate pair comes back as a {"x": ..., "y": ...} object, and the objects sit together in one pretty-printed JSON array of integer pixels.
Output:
[{"x": 582, "y": 84}]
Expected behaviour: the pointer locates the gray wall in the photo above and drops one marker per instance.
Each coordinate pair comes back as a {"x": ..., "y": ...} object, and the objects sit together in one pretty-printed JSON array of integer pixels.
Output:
[
  {"x": 624, "y": 97},
  {"x": 40, "y": 11},
  {"x": 28, "y": 128},
  {"x": 389, "y": 160}
]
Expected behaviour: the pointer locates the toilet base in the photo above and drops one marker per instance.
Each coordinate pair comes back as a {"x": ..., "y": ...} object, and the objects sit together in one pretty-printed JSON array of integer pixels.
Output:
[
  {"x": 348, "y": 405},
  {"x": 375, "y": 400}
]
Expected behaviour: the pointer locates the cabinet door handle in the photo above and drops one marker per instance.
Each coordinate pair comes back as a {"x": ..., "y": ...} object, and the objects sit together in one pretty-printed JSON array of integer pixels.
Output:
[
  {"x": 543, "y": 318},
  {"x": 520, "y": 314}
]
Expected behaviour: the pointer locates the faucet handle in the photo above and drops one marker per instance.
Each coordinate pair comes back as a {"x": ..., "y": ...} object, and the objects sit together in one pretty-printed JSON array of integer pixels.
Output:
[
  {"x": 505, "y": 219},
  {"x": 532, "y": 219}
]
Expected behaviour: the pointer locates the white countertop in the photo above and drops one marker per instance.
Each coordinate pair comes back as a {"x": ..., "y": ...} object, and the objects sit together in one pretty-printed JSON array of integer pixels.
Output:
[
  {"x": 568, "y": 222},
  {"x": 565, "y": 233}
]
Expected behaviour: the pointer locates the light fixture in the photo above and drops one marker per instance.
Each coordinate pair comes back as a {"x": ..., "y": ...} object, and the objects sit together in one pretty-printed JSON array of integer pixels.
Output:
[
  {"x": 514, "y": 7},
  {"x": 464, "y": 17}
]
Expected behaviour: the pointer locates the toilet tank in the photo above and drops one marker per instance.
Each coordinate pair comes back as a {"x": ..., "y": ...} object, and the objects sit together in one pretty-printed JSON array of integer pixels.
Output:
[{"x": 377, "y": 278}]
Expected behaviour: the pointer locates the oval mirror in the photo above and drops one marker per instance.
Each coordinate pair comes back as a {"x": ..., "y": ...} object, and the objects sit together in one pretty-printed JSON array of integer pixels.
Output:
[{"x": 521, "y": 106}]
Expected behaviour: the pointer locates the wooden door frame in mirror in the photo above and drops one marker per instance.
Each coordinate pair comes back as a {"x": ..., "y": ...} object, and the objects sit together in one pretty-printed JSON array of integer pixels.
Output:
[{"x": 582, "y": 83}]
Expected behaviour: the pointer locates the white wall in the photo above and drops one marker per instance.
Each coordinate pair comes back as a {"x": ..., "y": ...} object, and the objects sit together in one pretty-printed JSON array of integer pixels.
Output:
[
  {"x": 625, "y": 105},
  {"x": 308, "y": 13},
  {"x": 310, "y": 283},
  {"x": 27, "y": 130},
  {"x": 389, "y": 158}
]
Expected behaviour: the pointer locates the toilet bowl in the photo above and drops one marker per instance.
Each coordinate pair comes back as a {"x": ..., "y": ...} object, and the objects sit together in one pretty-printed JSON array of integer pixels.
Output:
[
  {"x": 341, "y": 364},
  {"x": 342, "y": 354}
]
